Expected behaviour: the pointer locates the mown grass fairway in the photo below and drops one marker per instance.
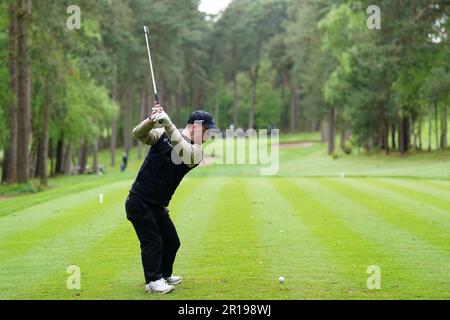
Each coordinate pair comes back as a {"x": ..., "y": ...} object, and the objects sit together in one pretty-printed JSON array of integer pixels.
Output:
[{"x": 319, "y": 231}]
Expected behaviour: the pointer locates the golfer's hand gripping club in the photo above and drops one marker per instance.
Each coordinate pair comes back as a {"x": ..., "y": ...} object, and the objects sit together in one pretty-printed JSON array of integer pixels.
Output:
[
  {"x": 155, "y": 110},
  {"x": 162, "y": 120}
]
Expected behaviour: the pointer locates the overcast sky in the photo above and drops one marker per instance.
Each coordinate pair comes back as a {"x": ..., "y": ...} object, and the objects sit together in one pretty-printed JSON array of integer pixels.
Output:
[{"x": 213, "y": 6}]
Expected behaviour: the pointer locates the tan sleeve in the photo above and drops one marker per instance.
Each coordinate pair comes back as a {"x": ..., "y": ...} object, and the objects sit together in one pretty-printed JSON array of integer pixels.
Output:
[
  {"x": 191, "y": 154},
  {"x": 146, "y": 133}
]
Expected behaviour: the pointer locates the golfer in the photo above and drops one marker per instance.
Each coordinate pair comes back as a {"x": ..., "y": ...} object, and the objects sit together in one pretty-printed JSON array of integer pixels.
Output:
[{"x": 172, "y": 155}]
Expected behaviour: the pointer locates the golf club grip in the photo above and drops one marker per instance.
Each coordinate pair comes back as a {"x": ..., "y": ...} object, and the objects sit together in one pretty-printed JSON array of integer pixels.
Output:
[{"x": 157, "y": 101}]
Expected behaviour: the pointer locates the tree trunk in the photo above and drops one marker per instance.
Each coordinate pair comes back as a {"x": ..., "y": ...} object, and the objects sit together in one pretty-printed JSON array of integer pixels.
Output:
[
  {"x": 35, "y": 172},
  {"x": 149, "y": 106},
  {"x": 331, "y": 131},
  {"x": 67, "y": 159},
  {"x": 444, "y": 142},
  {"x": 436, "y": 124},
  {"x": 32, "y": 160},
  {"x": 415, "y": 134},
  {"x": 386, "y": 137},
  {"x": 95, "y": 157},
  {"x": 4, "y": 165},
  {"x": 384, "y": 134},
  {"x": 142, "y": 116},
  {"x": 295, "y": 103},
  {"x": 51, "y": 156},
  {"x": 283, "y": 116},
  {"x": 235, "y": 103},
  {"x": 324, "y": 132},
  {"x": 127, "y": 122},
  {"x": 393, "y": 130},
  {"x": 419, "y": 131},
  {"x": 404, "y": 135},
  {"x": 234, "y": 115},
  {"x": 178, "y": 106},
  {"x": 430, "y": 128},
  {"x": 113, "y": 141},
  {"x": 401, "y": 139},
  {"x": 297, "y": 108},
  {"x": 251, "y": 115},
  {"x": 169, "y": 105},
  {"x": 42, "y": 166},
  {"x": 217, "y": 108},
  {"x": 10, "y": 156},
  {"x": 23, "y": 91},
  {"x": 161, "y": 93},
  {"x": 343, "y": 142},
  {"x": 83, "y": 156},
  {"x": 59, "y": 155}
]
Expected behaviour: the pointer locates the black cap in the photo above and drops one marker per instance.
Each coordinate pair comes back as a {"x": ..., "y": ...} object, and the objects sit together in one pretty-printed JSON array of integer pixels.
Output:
[{"x": 205, "y": 117}]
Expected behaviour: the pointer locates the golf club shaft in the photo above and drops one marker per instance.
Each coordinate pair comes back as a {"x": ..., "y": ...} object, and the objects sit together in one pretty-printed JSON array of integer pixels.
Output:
[{"x": 151, "y": 65}]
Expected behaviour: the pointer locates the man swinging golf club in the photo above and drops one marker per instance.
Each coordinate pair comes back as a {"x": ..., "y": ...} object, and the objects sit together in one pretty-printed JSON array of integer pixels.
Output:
[{"x": 172, "y": 155}]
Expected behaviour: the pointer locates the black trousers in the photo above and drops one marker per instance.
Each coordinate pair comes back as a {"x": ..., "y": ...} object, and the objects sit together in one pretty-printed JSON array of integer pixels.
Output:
[{"x": 157, "y": 235}]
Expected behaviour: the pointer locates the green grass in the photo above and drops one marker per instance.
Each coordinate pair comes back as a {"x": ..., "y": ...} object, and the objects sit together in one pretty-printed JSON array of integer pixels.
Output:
[{"x": 318, "y": 230}]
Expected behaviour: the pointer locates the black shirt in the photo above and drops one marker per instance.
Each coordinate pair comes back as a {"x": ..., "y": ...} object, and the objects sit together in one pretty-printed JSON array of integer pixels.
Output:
[{"x": 159, "y": 176}]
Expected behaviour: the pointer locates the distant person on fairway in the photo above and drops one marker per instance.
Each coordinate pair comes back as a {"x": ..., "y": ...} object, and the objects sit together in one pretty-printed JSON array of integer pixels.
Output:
[
  {"x": 172, "y": 155},
  {"x": 124, "y": 164}
]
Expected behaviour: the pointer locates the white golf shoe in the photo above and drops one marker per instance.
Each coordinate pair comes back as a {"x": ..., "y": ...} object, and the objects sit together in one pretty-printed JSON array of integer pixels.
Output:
[
  {"x": 173, "y": 280},
  {"x": 160, "y": 286}
]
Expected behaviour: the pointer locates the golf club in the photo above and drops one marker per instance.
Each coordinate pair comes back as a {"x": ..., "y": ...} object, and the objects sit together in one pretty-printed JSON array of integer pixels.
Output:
[{"x": 147, "y": 31}]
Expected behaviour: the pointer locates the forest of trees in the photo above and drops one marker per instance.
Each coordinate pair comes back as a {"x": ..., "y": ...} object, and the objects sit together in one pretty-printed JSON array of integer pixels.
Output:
[{"x": 299, "y": 65}]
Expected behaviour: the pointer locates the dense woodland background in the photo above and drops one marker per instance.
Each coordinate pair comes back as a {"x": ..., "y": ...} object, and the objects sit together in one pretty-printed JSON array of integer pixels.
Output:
[{"x": 299, "y": 65}]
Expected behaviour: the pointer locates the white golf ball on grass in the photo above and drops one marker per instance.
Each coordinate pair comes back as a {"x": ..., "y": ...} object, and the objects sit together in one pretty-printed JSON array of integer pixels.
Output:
[{"x": 281, "y": 280}]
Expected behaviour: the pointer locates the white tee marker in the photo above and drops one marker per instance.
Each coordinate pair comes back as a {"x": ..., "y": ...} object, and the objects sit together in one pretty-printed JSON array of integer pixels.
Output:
[{"x": 101, "y": 198}]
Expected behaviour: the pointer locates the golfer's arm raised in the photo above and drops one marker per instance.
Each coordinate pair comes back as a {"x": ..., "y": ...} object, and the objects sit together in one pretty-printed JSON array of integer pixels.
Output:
[
  {"x": 146, "y": 133},
  {"x": 191, "y": 154}
]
